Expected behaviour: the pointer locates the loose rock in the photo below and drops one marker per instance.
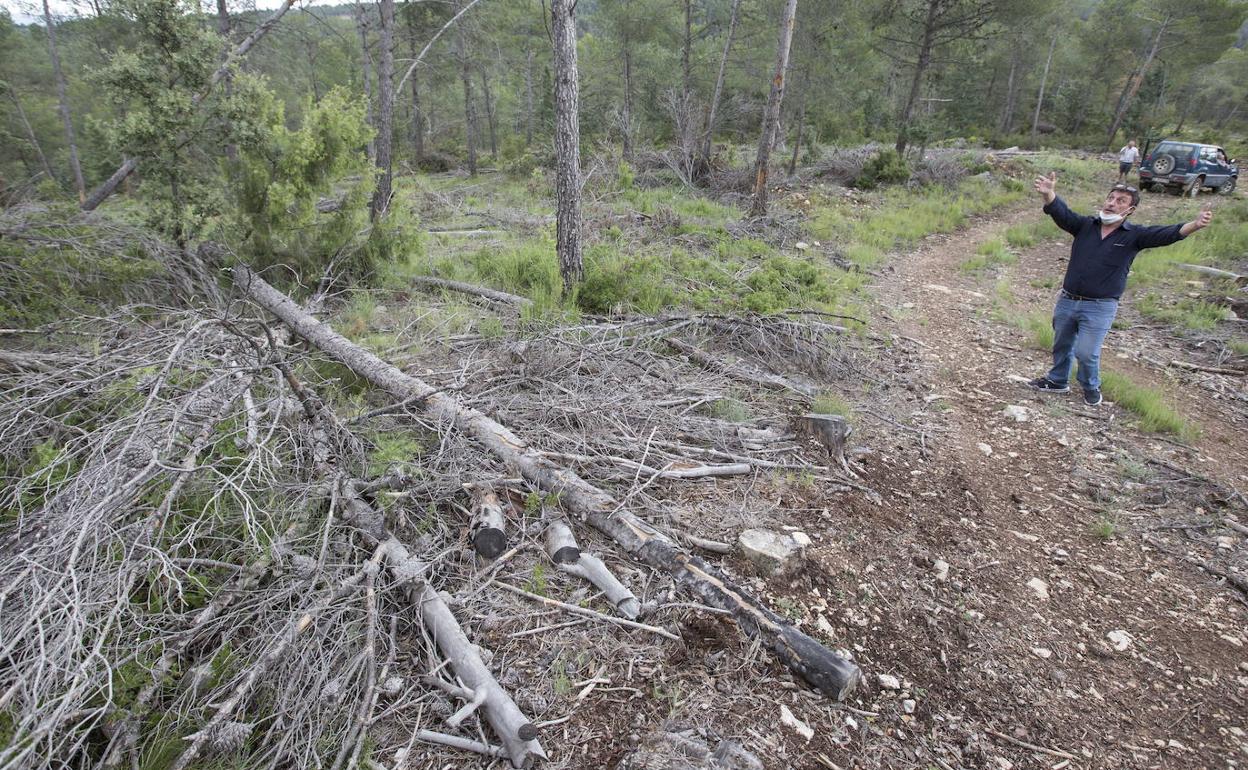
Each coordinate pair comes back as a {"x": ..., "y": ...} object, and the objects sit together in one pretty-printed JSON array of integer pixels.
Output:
[
  {"x": 771, "y": 553},
  {"x": 1040, "y": 587},
  {"x": 889, "y": 682}
]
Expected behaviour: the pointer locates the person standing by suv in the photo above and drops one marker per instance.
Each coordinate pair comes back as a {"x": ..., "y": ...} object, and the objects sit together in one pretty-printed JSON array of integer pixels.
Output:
[
  {"x": 1105, "y": 246},
  {"x": 1127, "y": 157}
]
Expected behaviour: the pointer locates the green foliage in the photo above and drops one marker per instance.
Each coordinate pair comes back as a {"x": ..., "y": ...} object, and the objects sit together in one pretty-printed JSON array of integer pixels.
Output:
[
  {"x": 729, "y": 409},
  {"x": 393, "y": 451},
  {"x": 283, "y": 173},
  {"x": 1147, "y": 404},
  {"x": 830, "y": 403},
  {"x": 617, "y": 282},
  {"x": 990, "y": 253},
  {"x": 787, "y": 282},
  {"x": 885, "y": 167},
  {"x": 1039, "y": 328}
]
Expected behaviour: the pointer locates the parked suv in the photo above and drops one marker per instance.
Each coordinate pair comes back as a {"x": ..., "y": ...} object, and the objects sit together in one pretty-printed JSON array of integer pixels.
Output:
[{"x": 1188, "y": 167}]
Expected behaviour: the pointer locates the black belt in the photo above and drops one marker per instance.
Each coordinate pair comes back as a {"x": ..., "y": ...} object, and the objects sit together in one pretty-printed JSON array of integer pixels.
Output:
[{"x": 1081, "y": 298}]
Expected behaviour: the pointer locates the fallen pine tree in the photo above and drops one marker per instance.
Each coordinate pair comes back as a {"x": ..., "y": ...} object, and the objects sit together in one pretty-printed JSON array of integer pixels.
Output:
[{"x": 828, "y": 672}]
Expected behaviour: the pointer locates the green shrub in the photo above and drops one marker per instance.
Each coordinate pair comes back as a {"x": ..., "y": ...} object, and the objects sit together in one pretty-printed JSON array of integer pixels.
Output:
[
  {"x": 885, "y": 167},
  {"x": 784, "y": 282},
  {"x": 615, "y": 281},
  {"x": 1146, "y": 403}
]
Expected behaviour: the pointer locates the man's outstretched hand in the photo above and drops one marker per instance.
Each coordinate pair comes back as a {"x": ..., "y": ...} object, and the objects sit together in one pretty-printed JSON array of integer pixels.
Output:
[
  {"x": 1201, "y": 221},
  {"x": 1046, "y": 186}
]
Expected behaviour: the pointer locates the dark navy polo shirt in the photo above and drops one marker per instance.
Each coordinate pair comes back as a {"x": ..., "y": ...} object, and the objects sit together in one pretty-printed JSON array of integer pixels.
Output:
[{"x": 1098, "y": 266}]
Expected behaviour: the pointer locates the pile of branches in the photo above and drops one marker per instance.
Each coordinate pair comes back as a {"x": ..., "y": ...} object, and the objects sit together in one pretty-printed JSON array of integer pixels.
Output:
[{"x": 204, "y": 553}]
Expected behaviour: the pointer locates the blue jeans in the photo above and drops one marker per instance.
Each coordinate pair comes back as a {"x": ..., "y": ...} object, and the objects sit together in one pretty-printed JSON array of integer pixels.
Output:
[{"x": 1079, "y": 328}]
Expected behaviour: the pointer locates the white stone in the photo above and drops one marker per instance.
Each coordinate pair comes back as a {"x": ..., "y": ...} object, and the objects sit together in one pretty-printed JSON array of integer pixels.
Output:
[
  {"x": 801, "y": 245},
  {"x": 889, "y": 682},
  {"x": 823, "y": 625},
  {"x": 984, "y": 448},
  {"x": 1016, "y": 413},
  {"x": 941, "y": 568},
  {"x": 802, "y": 729},
  {"x": 1042, "y": 652},
  {"x": 801, "y": 538},
  {"x": 1120, "y": 639},
  {"x": 851, "y": 723},
  {"x": 908, "y": 705},
  {"x": 771, "y": 553},
  {"x": 938, "y": 287},
  {"x": 1040, "y": 587}
]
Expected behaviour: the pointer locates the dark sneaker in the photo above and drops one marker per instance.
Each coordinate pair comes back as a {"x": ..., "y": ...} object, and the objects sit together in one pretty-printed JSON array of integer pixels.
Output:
[
  {"x": 1048, "y": 386},
  {"x": 1092, "y": 397}
]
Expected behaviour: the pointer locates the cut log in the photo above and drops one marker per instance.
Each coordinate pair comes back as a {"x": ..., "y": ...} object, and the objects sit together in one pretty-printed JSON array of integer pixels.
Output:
[
  {"x": 822, "y": 668},
  {"x": 566, "y": 554},
  {"x": 493, "y": 295},
  {"x": 488, "y": 529},
  {"x": 742, "y": 371},
  {"x": 1213, "y": 272},
  {"x": 830, "y": 430}
]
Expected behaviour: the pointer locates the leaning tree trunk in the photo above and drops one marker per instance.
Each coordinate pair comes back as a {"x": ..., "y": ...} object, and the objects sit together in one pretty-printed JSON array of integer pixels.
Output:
[
  {"x": 128, "y": 165},
  {"x": 920, "y": 69},
  {"x": 528, "y": 96},
  {"x": 822, "y": 668},
  {"x": 1133, "y": 85},
  {"x": 627, "y": 119},
  {"x": 30, "y": 132},
  {"x": 1044, "y": 80},
  {"x": 385, "y": 111},
  {"x": 567, "y": 145},
  {"x": 223, "y": 29},
  {"x": 62, "y": 100},
  {"x": 801, "y": 124},
  {"x": 1006, "y": 124},
  {"x": 719, "y": 87},
  {"x": 470, "y": 112},
  {"x": 771, "y": 117}
]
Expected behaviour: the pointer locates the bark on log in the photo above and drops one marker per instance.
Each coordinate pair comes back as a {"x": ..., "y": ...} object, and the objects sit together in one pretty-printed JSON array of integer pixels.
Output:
[
  {"x": 830, "y": 430},
  {"x": 566, "y": 554},
  {"x": 830, "y": 673}
]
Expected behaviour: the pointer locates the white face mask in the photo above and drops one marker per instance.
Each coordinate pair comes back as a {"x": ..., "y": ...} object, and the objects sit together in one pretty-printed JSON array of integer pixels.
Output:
[{"x": 1110, "y": 219}]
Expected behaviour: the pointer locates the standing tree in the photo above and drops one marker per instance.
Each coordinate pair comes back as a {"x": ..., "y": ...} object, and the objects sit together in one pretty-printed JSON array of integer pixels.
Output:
[
  {"x": 567, "y": 145},
  {"x": 470, "y": 112},
  {"x": 385, "y": 111},
  {"x": 1044, "y": 81},
  {"x": 771, "y": 116},
  {"x": 924, "y": 28},
  {"x": 63, "y": 104},
  {"x": 705, "y": 160}
]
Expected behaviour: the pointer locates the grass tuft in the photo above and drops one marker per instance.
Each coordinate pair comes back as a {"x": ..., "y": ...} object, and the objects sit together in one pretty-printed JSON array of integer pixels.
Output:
[{"x": 1155, "y": 415}]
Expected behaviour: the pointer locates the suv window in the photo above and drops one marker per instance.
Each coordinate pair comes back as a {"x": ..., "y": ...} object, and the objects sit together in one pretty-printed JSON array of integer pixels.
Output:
[{"x": 1179, "y": 151}]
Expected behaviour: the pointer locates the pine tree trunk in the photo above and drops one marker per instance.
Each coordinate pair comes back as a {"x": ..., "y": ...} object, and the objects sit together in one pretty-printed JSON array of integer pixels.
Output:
[
  {"x": 627, "y": 128},
  {"x": 1133, "y": 85},
  {"x": 528, "y": 96},
  {"x": 30, "y": 133},
  {"x": 1006, "y": 124},
  {"x": 63, "y": 104},
  {"x": 1044, "y": 80},
  {"x": 567, "y": 145},
  {"x": 719, "y": 87},
  {"x": 489, "y": 112},
  {"x": 470, "y": 112},
  {"x": 771, "y": 117},
  {"x": 418, "y": 119},
  {"x": 223, "y": 29},
  {"x": 920, "y": 69},
  {"x": 801, "y": 125},
  {"x": 366, "y": 65},
  {"x": 385, "y": 112}
]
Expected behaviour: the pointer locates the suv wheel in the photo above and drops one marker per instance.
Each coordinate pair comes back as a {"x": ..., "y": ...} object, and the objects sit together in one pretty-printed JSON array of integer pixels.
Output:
[
  {"x": 1163, "y": 164},
  {"x": 1193, "y": 188},
  {"x": 1227, "y": 187}
]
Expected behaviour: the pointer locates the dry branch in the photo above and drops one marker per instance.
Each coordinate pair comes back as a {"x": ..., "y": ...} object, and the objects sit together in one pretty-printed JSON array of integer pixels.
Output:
[
  {"x": 742, "y": 371},
  {"x": 830, "y": 673},
  {"x": 566, "y": 554},
  {"x": 493, "y": 295}
]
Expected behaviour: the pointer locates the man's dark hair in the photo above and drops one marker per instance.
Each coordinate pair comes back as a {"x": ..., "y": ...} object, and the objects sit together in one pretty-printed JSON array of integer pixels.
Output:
[{"x": 1128, "y": 189}]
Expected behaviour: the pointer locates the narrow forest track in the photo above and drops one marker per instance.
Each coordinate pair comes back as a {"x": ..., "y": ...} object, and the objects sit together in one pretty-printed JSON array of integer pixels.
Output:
[{"x": 1072, "y": 616}]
